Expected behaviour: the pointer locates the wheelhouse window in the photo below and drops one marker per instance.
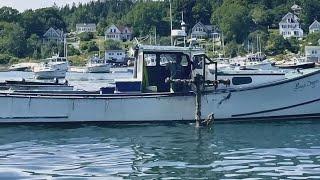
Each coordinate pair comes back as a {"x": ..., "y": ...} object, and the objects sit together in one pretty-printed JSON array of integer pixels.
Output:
[
  {"x": 167, "y": 58},
  {"x": 241, "y": 80},
  {"x": 150, "y": 59}
]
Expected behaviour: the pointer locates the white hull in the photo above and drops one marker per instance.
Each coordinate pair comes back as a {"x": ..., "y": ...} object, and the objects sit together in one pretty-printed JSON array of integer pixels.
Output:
[
  {"x": 100, "y": 68},
  {"x": 293, "y": 98},
  {"x": 50, "y": 74}
]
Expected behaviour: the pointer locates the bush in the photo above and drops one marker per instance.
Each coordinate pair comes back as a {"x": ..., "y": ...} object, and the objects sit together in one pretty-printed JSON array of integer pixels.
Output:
[
  {"x": 112, "y": 45},
  {"x": 73, "y": 51},
  {"x": 89, "y": 46},
  {"x": 86, "y": 36},
  {"x": 5, "y": 59}
]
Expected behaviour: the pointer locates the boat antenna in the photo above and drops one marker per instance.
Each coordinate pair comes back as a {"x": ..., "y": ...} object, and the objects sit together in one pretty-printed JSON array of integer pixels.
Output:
[
  {"x": 224, "y": 53},
  {"x": 155, "y": 35},
  {"x": 171, "y": 23}
]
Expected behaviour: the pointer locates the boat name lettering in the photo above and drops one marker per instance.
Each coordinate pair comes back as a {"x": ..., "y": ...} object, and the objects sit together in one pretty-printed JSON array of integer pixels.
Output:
[{"x": 303, "y": 85}]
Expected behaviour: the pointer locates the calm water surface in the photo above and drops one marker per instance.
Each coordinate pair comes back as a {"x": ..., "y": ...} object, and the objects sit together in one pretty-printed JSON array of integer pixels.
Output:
[
  {"x": 226, "y": 151},
  {"x": 274, "y": 150}
]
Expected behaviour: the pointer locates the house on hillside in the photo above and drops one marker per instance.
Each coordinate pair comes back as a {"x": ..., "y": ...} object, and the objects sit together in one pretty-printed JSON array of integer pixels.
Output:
[
  {"x": 118, "y": 33},
  {"x": 313, "y": 53},
  {"x": 201, "y": 31},
  {"x": 55, "y": 35},
  {"x": 115, "y": 55},
  {"x": 84, "y": 27},
  {"x": 314, "y": 27},
  {"x": 289, "y": 26}
]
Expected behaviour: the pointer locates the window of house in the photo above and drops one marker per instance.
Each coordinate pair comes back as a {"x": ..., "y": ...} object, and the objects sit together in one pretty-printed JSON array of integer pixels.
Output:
[{"x": 241, "y": 80}]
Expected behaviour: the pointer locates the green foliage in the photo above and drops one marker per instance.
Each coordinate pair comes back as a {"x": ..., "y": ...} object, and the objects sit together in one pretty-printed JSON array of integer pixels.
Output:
[
  {"x": 5, "y": 58},
  {"x": 112, "y": 45},
  {"x": 277, "y": 44},
  {"x": 86, "y": 36},
  {"x": 12, "y": 39},
  {"x": 9, "y": 14},
  {"x": 89, "y": 46},
  {"x": 73, "y": 51},
  {"x": 231, "y": 16}
]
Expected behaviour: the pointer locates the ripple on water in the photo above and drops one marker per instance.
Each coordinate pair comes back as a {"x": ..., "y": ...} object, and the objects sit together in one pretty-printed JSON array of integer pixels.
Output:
[{"x": 227, "y": 151}]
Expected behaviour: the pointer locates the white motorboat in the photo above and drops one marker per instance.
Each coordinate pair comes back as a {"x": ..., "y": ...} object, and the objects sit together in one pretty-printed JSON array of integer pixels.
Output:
[
  {"x": 296, "y": 63},
  {"x": 97, "y": 65},
  {"x": 294, "y": 96},
  {"x": 55, "y": 67}
]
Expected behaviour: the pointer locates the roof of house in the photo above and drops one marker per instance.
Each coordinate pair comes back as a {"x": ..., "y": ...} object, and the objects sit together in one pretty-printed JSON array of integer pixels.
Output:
[
  {"x": 121, "y": 28},
  {"x": 207, "y": 28},
  {"x": 86, "y": 25},
  {"x": 314, "y": 25},
  {"x": 58, "y": 32},
  {"x": 288, "y": 16}
]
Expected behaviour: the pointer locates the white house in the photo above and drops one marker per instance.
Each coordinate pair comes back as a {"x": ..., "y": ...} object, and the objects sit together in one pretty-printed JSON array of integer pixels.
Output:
[
  {"x": 313, "y": 53},
  {"x": 314, "y": 27},
  {"x": 55, "y": 35},
  {"x": 115, "y": 55},
  {"x": 201, "y": 31},
  {"x": 119, "y": 33},
  {"x": 289, "y": 26},
  {"x": 83, "y": 27}
]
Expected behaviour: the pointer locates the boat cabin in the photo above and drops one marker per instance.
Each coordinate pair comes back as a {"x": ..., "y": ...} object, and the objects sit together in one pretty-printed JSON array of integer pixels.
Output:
[{"x": 156, "y": 64}]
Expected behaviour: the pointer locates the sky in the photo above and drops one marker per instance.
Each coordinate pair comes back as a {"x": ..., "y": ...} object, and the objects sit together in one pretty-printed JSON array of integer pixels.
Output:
[{"x": 22, "y": 5}]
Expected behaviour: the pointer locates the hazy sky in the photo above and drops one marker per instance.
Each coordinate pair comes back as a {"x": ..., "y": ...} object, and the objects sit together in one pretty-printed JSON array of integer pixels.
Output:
[{"x": 22, "y": 5}]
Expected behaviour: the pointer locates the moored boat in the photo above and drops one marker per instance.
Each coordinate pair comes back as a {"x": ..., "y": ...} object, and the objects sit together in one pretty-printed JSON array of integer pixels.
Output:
[
  {"x": 294, "y": 96},
  {"x": 97, "y": 65},
  {"x": 55, "y": 67}
]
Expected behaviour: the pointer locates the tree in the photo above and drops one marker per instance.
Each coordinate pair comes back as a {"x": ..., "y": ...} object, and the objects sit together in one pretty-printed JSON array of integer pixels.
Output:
[
  {"x": 86, "y": 36},
  {"x": 34, "y": 46},
  {"x": 12, "y": 39},
  {"x": 233, "y": 20},
  {"x": 9, "y": 14},
  {"x": 277, "y": 44}
]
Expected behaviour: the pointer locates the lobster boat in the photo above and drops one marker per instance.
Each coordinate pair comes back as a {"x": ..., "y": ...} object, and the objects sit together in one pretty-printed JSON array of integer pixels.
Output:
[{"x": 174, "y": 84}]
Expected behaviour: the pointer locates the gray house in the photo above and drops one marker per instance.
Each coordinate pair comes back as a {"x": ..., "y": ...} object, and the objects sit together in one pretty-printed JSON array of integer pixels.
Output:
[
  {"x": 314, "y": 27},
  {"x": 201, "y": 31},
  {"x": 55, "y": 35}
]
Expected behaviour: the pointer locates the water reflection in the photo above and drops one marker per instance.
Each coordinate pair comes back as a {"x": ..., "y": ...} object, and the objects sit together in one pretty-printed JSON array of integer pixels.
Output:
[{"x": 226, "y": 151}]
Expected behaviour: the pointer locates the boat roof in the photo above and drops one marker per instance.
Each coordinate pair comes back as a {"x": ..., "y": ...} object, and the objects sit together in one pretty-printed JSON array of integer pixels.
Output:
[{"x": 150, "y": 48}]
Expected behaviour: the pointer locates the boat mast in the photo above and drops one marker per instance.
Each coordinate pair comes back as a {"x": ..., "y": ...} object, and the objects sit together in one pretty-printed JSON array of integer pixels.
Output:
[
  {"x": 155, "y": 35},
  {"x": 65, "y": 46},
  {"x": 171, "y": 23}
]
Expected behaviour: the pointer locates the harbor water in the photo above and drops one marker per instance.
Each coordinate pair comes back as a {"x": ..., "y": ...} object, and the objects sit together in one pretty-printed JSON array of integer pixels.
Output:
[
  {"x": 275, "y": 150},
  {"x": 248, "y": 150}
]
